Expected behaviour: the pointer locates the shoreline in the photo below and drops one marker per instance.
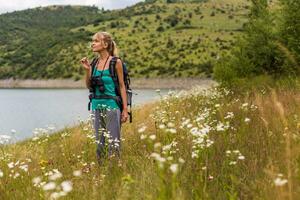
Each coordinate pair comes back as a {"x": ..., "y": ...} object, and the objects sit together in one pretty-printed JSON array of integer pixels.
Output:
[{"x": 136, "y": 83}]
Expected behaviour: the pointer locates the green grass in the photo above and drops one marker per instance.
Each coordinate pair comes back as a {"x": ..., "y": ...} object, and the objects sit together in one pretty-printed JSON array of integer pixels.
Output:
[{"x": 224, "y": 145}]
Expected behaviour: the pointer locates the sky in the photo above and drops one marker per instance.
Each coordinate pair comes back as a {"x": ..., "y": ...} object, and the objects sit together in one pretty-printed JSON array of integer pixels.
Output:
[{"x": 12, "y": 5}]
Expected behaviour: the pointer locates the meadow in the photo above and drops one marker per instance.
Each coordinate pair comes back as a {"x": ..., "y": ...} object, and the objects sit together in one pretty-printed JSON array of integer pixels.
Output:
[{"x": 195, "y": 144}]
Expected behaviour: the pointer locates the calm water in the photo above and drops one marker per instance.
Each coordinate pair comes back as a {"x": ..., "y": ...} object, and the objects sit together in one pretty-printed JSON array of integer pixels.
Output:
[{"x": 24, "y": 110}]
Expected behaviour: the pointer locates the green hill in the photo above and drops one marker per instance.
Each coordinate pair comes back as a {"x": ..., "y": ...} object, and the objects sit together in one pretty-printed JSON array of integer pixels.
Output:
[{"x": 155, "y": 38}]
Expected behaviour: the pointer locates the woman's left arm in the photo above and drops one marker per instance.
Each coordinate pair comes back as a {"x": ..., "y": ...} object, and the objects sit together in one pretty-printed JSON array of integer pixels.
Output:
[{"x": 119, "y": 69}]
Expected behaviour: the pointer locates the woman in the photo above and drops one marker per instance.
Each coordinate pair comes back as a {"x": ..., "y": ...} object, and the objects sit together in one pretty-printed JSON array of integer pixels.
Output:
[{"x": 106, "y": 115}]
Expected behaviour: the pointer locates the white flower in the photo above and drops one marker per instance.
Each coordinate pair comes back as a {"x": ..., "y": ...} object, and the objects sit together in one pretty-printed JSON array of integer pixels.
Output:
[
  {"x": 232, "y": 162},
  {"x": 36, "y": 181},
  {"x": 170, "y": 124},
  {"x": 181, "y": 160},
  {"x": 172, "y": 130},
  {"x": 4, "y": 139},
  {"x": 194, "y": 155},
  {"x": 156, "y": 145},
  {"x": 54, "y": 195},
  {"x": 10, "y": 165},
  {"x": 174, "y": 168},
  {"x": 67, "y": 186},
  {"x": 170, "y": 158},
  {"x": 143, "y": 136},
  {"x": 1, "y": 173},
  {"x": 142, "y": 129},
  {"x": 247, "y": 120},
  {"x": 16, "y": 175},
  {"x": 162, "y": 126},
  {"x": 49, "y": 186},
  {"x": 152, "y": 137},
  {"x": 241, "y": 157},
  {"x": 77, "y": 173},
  {"x": 189, "y": 126},
  {"x": 24, "y": 167},
  {"x": 244, "y": 105},
  {"x": 157, "y": 157},
  {"x": 55, "y": 176},
  {"x": 280, "y": 182}
]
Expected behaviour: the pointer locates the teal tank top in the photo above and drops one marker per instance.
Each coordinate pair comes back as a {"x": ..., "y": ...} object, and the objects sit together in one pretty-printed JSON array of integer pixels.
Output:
[{"x": 109, "y": 90}]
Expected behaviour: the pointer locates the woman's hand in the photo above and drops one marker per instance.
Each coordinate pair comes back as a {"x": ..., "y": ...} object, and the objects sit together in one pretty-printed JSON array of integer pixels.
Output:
[
  {"x": 85, "y": 63},
  {"x": 124, "y": 116}
]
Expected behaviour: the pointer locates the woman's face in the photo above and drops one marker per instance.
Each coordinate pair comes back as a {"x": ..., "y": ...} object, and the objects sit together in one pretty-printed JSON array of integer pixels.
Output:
[{"x": 98, "y": 44}]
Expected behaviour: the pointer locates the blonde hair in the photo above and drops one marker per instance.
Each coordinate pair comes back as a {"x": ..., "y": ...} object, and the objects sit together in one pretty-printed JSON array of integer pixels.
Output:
[{"x": 111, "y": 44}]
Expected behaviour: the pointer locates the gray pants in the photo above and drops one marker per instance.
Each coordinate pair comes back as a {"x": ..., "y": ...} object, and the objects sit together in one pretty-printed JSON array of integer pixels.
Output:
[{"x": 107, "y": 125}]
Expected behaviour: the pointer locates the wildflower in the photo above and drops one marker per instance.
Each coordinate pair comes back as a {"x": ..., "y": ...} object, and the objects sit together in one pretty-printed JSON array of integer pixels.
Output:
[
  {"x": 16, "y": 175},
  {"x": 142, "y": 129},
  {"x": 210, "y": 177},
  {"x": 244, "y": 105},
  {"x": 49, "y": 186},
  {"x": 67, "y": 186},
  {"x": 24, "y": 167},
  {"x": 162, "y": 126},
  {"x": 54, "y": 195},
  {"x": 174, "y": 168},
  {"x": 232, "y": 162},
  {"x": 10, "y": 165},
  {"x": 143, "y": 136},
  {"x": 157, "y": 157},
  {"x": 181, "y": 160},
  {"x": 194, "y": 155},
  {"x": 280, "y": 182},
  {"x": 220, "y": 126},
  {"x": 55, "y": 176},
  {"x": 247, "y": 120},
  {"x": 229, "y": 115},
  {"x": 152, "y": 137},
  {"x": 236, "y": 151},
  {"x": 228, "y": 152},
  {"x": 170, "y": 158},
  {"x": 4, "y": 139},
  {"x": 170, "y": 124},
  {"x": 156, "y": 145},
  {"x": 36, "y": 181},
  {"x": 77, "y": 173},
  {"x": 1, "y": 173},
  {"x": 241, "y": 157},
  {"x": 189, "y": 126},
  {"x": 172, "y": 130}
]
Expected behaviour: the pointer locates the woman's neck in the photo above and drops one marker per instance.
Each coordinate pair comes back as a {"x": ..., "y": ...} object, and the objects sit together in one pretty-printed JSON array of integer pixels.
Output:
[{"x": 103, "y": 54}]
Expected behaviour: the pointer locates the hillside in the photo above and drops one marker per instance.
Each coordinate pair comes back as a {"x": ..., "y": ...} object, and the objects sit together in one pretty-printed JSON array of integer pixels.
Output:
[{"x": 155, "y": 38}]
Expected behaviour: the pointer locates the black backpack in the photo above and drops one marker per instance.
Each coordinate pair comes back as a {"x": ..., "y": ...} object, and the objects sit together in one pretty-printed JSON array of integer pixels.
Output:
[{"x": 113, "y": 74}]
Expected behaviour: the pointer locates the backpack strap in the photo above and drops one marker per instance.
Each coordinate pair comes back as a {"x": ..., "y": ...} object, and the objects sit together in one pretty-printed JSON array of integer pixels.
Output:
[{"x": 93, "y": 65}]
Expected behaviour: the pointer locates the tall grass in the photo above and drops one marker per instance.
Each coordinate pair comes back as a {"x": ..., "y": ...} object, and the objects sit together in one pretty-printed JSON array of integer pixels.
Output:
[{"x": 212, "y": 144}]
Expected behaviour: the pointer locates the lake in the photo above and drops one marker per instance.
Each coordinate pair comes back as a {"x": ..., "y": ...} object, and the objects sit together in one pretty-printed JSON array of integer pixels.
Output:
[{"x": 23, "y": 111}]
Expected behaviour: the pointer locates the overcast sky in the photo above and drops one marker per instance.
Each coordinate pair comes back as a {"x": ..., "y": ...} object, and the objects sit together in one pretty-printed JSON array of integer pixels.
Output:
[{"x": 11, "y": 5}]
